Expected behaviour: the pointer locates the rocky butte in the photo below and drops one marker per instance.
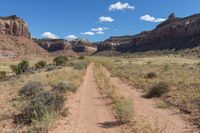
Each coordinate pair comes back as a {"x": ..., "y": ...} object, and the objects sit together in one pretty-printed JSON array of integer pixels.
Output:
[
  {"x": 14, "y": 25},
  {"x": 174, "y": 33},
  {"x": 15, "y": 38}
]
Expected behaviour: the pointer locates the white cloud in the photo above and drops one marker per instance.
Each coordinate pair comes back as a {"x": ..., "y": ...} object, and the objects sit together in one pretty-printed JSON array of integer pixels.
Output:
[
  {"x": 100, "y": 32},
  {"x": 120, "y": 6},
  {"x": 89, "y": 33},
  {"x": 71, "y": 37},
  {"x": 106, "y": 19},
  {"x": 151, "y": 19},
  {"x": 49, "y": 35},
  {"x": 97, "y": 29}
]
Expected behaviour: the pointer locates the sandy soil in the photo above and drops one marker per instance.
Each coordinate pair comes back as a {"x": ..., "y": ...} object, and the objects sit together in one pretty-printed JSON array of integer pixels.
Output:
[
  {"x": 88, "y": 111},
  {"x": 171, "y": 120}
]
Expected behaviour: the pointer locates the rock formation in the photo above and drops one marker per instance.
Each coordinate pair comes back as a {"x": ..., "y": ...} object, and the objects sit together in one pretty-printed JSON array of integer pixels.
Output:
[
  {"x": 78, "y": 46},
  {"x": 174, "y": 33},
  {"x": 15, "y": 26},
  {"x": 15, "y": 39}
]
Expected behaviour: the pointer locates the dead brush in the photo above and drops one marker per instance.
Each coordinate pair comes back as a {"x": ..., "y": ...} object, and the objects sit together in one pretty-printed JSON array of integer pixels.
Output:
[
  {"x": 38, "y": 105},
  {"x": 65, "y": 86}
]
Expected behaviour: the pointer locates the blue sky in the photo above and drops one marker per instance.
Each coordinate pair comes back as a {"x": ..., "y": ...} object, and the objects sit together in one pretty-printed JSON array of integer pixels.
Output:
[{"x": 81, "y": 18}]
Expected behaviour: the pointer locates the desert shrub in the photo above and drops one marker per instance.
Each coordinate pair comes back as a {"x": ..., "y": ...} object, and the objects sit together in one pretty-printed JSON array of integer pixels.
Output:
[
  {"x": 65, "y": 86},
  {"x": 157, "y": 90},
  {"x": 65, "y": 112},
  {"x": 123, "y": 110},
  {"x": 31, "y": 89},
  {"x": 40, "y": 64},
  {"x": 50, "y": 68},
  {"x": 149, "y": 62},
  {"x": 39, "y": 106},
  {"x": 80, "y": 65},
  {"x": 21, "y": 67},
  {"x": 15, "y": 69},
  {"x": 2, "y": 75},
  {"x": 81, "y": 57},
  {"x": 166, "y": 67},
  {"x": 163, "y": 105},
  {"x": 151, "y": 75},
  {"x": 60, "y": 60}
]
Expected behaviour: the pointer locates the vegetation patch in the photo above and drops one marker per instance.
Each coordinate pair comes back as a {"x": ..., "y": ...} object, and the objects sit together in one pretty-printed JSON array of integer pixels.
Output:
[
  {"x": 21, "y": 67},
  {"x": 151, "y": 75},
  {"x": 81, "y": 57},
  {"x": 157, "y": 90},
  {"x": 123, "y": 107},
  {"x": 38, "y": 105},
  {"x": 60, "y": 60},
  {"x": 123, "y": 110},
  {"x": 40, "y": 64},
  {"x": 3, "y": 75},
  {"x": 65, "y": 86},
  {"x": 163, "y": 105},
  {"x": 31, "y": 89}
]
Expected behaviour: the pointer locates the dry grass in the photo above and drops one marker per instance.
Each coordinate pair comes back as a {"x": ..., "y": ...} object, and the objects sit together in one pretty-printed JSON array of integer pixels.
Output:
[
  {"x": 122, "y": 107},
  {"x": 182, "y": 75},
  {"x": 9, "y": 91},
  {"x": 153, "y": 126}
]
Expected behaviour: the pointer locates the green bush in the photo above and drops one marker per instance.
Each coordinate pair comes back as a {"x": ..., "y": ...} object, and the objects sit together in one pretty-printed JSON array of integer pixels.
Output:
[
  {"x": 21, "y": 67},
  {"x": 40, "y": 64},
  {"x": 151, "y": 75},
  {"x": 65, "y": 86},
  {"x": 81, "y": 57},
  {"x": 15, "y": 69},
  {"x": 2, "y": 75},
  {"x": 157, "y": 90},
  {"x": 123, "y": 110},
  {"x": 60, "y": 60}
]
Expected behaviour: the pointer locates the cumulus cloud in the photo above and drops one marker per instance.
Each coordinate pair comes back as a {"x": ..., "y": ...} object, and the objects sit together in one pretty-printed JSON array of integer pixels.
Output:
[
  {"x": 106, "y": 19},
  {"x": 49, "y": 35},
  {"x": 89, "y": 33},
  {"x": 95, "y": 31},
  {"x": 120, "y": 6},
  {"x": 71, "y": 37},
  {"x": 151, "y": 19}
]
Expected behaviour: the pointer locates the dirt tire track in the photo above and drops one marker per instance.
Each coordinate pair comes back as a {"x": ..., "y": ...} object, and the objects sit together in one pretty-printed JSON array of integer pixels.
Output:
[
  {"x": 145, "y": 108},
  {"x": 88, "y": 111}
]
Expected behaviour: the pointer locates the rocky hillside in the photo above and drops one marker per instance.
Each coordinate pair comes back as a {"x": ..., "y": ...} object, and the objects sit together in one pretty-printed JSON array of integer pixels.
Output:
[
  {"x": 14, "y": 25},
  {"x": 77, "y": 46},
  {"x": 174, "y": 33},
  {"x": 15, "y": 38}
]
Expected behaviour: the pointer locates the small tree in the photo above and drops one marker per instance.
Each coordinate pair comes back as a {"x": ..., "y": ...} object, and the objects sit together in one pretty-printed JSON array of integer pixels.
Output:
[
  {"x": 40, "y": 64},
  {"x": 60, "y": 60},
  {"x": 2, "y": 75},
  {"x": 20, "y": 68},
  {"x": 24, "y": 65},
  {"x": 81, "y": 57}
]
